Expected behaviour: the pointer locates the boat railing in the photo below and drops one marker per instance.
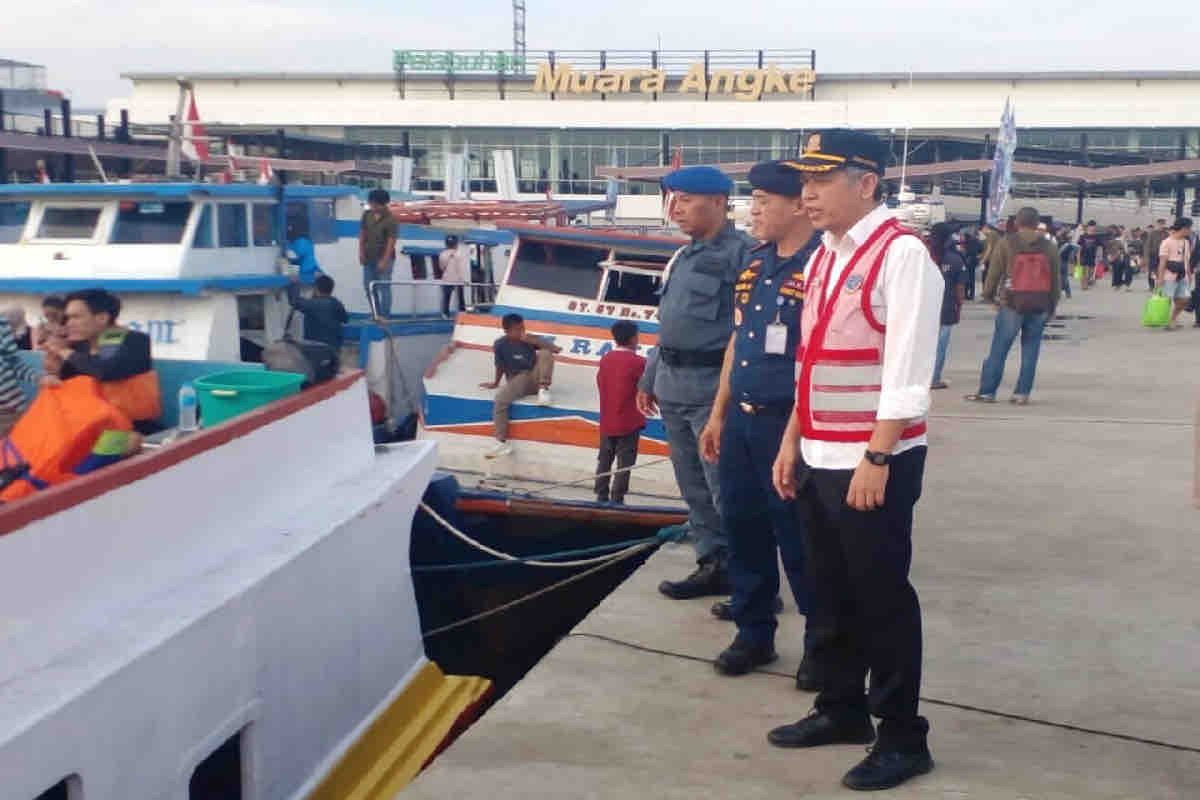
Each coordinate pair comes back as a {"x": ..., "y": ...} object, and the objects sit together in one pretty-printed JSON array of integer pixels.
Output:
[{"x": 427, "y": 294}]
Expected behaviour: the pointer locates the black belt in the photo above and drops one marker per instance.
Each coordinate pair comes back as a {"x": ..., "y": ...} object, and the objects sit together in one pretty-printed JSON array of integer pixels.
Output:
[
  {"x": 765, "y": 408},
  {"x": 692, "y": 358}
]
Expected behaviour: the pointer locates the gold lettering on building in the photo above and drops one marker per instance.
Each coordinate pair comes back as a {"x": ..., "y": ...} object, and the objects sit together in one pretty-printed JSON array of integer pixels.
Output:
[{"x": 742, "y": 84}]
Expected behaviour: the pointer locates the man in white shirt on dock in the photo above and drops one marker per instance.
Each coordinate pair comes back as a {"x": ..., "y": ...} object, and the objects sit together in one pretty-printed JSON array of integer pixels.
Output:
[{"x": 869, "y": 333}]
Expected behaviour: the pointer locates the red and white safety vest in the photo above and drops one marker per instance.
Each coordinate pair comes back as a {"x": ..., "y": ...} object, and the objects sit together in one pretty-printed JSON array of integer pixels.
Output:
[{"x": 841, "y": 346}]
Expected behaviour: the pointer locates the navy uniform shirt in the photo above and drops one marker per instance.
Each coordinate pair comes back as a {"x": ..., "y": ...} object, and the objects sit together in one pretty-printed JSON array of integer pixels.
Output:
[
  {"x": 768, "y": 289},
  {"x": 696, "y": 309},
  {"x": 696, "y": 313}
]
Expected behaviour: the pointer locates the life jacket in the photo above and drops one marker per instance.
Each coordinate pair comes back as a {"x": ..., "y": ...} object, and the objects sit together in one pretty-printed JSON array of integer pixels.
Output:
[
  {"x": 1030, "y": 286},
  {"x": 138, "y": 397},
  {"x": 56, "y": 435},
  {"x": 841, "y": 346}
]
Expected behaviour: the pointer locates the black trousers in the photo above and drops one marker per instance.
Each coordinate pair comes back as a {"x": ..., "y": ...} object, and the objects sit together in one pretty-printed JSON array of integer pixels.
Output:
[
  {"x": 447, "y": 292},
  {"x": 624, "y": 449},
  {"x": 865, "y": 615}
]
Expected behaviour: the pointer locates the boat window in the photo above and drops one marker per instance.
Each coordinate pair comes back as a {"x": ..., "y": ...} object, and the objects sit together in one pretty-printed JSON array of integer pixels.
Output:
[
  {"x": 12, "y": 220},
  {"x": 203, "y": 237},
  {"x": 66, "y": 789},
  {"x": 219, "y": 777},
  {"x": 150, "y": 222},
  {"x": 555, "y": 267},
  {"x": 633, "y": 288},
  {"x": 231, "y": 224},
  {"x": 68, "y": 223},
  {"x": 322, "y": 222},
  {"x": 263, "y": 219}
]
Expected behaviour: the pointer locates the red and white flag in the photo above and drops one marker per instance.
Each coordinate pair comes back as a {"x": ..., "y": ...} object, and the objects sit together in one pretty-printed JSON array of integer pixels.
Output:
[
  {"x": 195, "y": 145},
  {"x": 265, "y": 173},
  {"x": 42, "y": 175}
]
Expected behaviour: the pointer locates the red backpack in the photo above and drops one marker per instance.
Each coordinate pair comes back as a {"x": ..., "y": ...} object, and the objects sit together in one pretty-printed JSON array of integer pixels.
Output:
[{"x": 1030, "y": 278}]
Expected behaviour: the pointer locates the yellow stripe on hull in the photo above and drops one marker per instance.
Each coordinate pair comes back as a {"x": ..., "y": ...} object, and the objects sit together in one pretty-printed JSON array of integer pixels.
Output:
[{"x": 392, "y": 750}]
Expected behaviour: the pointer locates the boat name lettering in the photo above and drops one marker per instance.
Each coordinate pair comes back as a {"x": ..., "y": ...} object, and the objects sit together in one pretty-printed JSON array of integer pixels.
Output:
[
  {"x": 741, "y": 84},
  {"x": 160, "y": 331},
  {"x": 611, "y": 310}
]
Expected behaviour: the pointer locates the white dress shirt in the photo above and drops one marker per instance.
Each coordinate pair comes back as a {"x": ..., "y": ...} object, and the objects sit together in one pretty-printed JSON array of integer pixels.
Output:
[{"x": 910, "y": 285}]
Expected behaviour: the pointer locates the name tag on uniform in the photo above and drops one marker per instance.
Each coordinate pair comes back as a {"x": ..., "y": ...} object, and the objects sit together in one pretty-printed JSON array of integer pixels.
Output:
[{"x": 775, "y": 343}]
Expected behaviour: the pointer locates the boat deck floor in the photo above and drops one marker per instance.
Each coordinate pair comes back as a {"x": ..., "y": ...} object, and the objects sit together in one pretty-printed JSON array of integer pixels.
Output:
[{"x": 1055, "y": 556}]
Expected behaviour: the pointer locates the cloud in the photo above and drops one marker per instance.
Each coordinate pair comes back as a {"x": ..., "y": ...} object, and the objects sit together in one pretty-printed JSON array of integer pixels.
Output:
[{"x": 87, "y": 45}]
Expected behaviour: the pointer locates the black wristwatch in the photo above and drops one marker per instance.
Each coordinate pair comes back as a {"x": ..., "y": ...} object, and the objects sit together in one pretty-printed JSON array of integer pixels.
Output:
[{"x": 878, "y": 459}]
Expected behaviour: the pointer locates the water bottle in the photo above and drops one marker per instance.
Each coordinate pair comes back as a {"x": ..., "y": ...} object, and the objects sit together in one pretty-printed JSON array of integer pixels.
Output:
[{"x": 187, "y": 408}]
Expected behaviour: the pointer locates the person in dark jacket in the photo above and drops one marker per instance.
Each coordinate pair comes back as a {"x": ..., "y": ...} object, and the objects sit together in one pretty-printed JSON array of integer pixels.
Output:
[
  {"x": 949, "y": 254},
  {"x": 324, "y": 314}
]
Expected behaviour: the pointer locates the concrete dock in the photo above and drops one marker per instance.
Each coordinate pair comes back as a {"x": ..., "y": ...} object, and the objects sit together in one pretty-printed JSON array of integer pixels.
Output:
[{"x": 1057, "y": 560}]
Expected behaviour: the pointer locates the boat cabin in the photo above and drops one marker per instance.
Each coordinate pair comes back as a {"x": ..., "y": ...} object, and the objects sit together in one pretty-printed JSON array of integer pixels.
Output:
[{"x": 196, "y": 265}]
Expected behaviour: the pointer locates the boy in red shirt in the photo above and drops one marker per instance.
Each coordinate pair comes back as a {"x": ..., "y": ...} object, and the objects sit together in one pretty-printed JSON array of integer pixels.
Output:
[{"x": 620, "y": 421}]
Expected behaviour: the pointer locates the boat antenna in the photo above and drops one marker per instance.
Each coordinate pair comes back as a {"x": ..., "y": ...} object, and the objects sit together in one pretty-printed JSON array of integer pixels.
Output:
[{"x": 907, "y": 129}]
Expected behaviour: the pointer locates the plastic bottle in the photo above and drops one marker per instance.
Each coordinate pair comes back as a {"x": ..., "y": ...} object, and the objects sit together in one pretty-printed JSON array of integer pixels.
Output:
[{"x": 187, "y": 408}]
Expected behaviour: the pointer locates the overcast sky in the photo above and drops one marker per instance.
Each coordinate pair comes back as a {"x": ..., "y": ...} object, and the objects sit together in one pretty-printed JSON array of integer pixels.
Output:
[{"x": 87, "y": 44}]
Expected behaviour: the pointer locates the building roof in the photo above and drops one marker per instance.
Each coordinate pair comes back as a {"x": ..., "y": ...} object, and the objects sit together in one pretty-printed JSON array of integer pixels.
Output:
[{"x": 854, "y": 77}]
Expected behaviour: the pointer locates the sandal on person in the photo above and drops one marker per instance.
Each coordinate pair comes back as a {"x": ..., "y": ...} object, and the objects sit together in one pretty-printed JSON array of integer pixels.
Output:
[
  {"x": 1019, "y": 399},
  {"x": 980, "y": 398},
  {"x": 940, "y": 385}
]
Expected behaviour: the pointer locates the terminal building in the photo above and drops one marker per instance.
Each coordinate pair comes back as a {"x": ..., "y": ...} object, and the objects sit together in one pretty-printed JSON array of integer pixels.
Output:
[{"x": 1115, "y": 146}]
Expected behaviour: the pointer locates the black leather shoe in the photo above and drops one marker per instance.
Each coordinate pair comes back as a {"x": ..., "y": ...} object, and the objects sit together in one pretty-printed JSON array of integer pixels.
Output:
[
  {"x": 883, "y": 769},
  {"x": 740, "y": 658},
  {"x": 723, "y": 609},
  {"x": 818, "y": 729},
  {"x": 806, "y": 677},
  {"x": 709, "y": 578}
]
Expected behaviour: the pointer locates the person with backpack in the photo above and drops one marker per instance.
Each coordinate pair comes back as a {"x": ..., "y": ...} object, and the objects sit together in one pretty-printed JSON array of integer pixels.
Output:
[{"x": 1023, "y": 280}]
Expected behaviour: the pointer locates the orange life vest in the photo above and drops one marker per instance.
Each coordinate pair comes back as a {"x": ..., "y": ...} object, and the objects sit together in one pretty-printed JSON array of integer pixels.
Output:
[
  {"x": 56, "y": 434},
  {"x": 139, "y": 397}
]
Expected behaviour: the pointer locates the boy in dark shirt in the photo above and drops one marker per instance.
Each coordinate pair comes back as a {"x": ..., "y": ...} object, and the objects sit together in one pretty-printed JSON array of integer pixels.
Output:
[
  {"x": 324, "y": 314},
  {"x": 527, "y": 365},
  {"x": 620, "y": 421}
]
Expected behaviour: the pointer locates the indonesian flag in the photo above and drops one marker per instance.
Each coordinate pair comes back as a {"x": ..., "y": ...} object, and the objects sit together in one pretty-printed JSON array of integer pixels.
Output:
[
  {"x": 265, "y": 173},
  {"x": 42, "y": 175},
  {"x": 195, "y": 146}
]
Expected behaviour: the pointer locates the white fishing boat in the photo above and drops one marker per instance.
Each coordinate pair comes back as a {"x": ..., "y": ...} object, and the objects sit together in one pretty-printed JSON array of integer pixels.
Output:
[
  {"x": 570, "y": 285},
  {"x": 231, "y": 615}
]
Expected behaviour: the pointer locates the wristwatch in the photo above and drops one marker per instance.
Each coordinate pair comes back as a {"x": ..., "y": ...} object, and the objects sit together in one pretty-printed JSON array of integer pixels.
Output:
[{"x": 878, "y": 459}]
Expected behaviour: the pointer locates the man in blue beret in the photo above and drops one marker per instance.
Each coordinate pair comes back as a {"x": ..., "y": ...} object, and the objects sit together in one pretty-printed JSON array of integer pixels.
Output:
[
  {"x": 853, "y": 457},
  {"x": 695, "y": 320},
  {"x": 750, "y": 413}
]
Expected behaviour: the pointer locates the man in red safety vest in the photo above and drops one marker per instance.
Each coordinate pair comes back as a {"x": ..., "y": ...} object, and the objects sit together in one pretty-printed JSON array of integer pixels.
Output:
[{"x": 853, "y": 457}]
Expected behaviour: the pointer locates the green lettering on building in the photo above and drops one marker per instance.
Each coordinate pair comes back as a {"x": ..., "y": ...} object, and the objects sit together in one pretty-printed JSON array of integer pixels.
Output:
[{"x": 458, "y": 61}]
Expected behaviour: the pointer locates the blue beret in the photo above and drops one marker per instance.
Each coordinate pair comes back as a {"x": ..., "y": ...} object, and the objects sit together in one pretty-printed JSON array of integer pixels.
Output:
[
  {"x": 698, "y": 180},
  {"x": 777, "y": 177}
]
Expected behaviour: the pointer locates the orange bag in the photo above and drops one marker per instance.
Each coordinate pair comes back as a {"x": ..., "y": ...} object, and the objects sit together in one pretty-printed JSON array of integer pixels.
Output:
[
  {"x": 137, "y": 397},
  {"x": 55, "y": 435}
]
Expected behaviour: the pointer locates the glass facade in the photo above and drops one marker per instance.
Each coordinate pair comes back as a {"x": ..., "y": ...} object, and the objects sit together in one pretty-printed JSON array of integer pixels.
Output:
[{"x": 564, "y": 161}]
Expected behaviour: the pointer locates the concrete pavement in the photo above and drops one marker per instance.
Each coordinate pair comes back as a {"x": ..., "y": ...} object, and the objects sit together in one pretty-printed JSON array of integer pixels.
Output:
[{"x": 1056, "y": 561}]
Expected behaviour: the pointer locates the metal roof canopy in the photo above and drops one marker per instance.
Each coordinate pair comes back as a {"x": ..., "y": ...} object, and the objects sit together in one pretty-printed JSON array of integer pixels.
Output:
[{"x": 1088, "y": 176}]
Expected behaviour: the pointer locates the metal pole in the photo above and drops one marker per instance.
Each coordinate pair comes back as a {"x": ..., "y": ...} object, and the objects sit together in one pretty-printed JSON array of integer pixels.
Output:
[
  {"x": 68, "y": 160},
  {"x": 1079, "y": 205},
  {"x": 3, "y": 152}
]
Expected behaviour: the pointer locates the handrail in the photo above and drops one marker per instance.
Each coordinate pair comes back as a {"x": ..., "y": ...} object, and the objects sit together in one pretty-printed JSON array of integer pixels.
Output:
[{"x": 475, "y": 293}]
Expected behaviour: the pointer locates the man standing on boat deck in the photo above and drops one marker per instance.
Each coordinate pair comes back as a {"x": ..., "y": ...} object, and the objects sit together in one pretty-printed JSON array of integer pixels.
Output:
[
  {"x": 695, "y": 320},
  {"x": 750, "y": 413},
  {"x": 377, "y": 249},
  {"x": 868, "y": 337}
]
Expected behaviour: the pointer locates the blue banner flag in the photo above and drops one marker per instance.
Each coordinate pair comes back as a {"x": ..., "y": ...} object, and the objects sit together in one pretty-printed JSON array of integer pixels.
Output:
[{"x": 1001, "y": 182}]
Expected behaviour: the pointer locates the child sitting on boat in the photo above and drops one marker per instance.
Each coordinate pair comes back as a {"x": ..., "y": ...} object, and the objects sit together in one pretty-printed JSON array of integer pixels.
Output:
[
  {"x": 620, "y": 421},
  {"x": 527, "y": 364}
]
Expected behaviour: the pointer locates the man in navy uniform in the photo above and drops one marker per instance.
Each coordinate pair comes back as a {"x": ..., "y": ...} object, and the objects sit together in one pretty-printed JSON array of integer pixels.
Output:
[
  {"x": 695, "y": 320},
  {"x": 750, "y": 414}
]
